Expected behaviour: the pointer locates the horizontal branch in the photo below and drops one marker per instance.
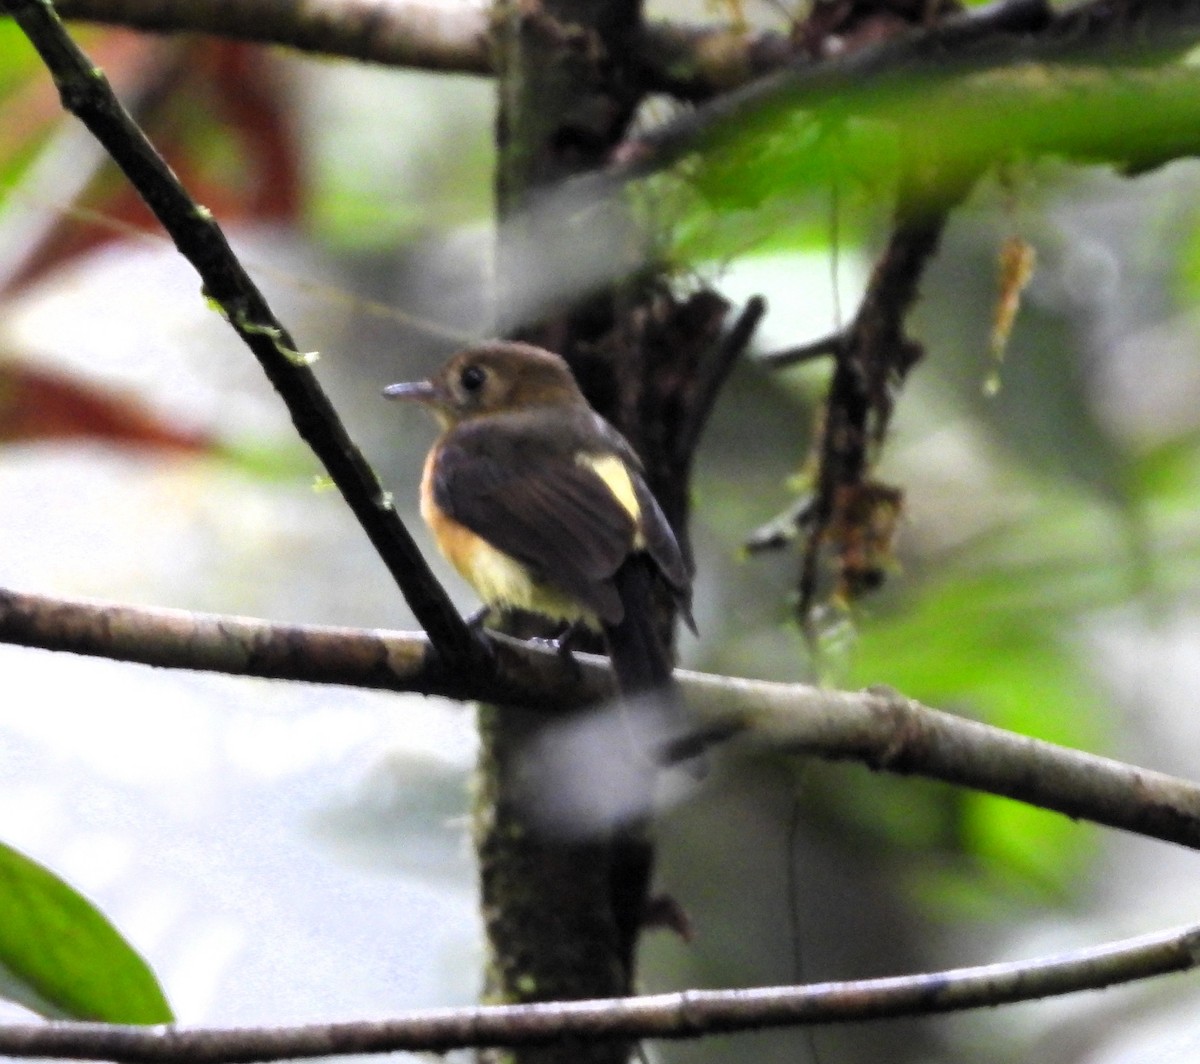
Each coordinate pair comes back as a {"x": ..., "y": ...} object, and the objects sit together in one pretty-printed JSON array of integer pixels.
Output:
[
  {"x": 689, "y": 1014},
  {"x": 880, "y": 728},
  {"x": 325, "y": 654},
  {"x": 425, "y": 36},
  {"x": 823, "y": 347},
  {"x": 763, "y": 71},
  {"x": 692, "y": 62}
]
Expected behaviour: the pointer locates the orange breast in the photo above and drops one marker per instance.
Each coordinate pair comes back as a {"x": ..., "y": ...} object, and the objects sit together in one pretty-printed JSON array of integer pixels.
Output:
[{"x": 457, "y": 542}]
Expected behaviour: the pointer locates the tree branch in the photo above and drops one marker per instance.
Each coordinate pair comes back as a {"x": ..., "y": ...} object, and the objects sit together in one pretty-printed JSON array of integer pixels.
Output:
[
  {"x": 823, "y": 347},
  {"x": 712, "y": 374},
  {"x": 689, "y": 1014},
  {"x": 693, "y": 63},
  {"x": 690, "y": 62},
  {"x": 878, "y": 727},
  {"x": 887, "y": 76},
  {"x": 424, "y": 36},
  {"x": 851, "y": 514},
  {"x": 86, "y": 93},
  {"x": 245, "y": 646}
]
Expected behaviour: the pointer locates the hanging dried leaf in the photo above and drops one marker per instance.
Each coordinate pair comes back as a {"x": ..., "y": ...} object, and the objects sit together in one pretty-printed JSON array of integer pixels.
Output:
[
  {"x": 1017, "y": 263},
  {"x": 863, "y": 536}
]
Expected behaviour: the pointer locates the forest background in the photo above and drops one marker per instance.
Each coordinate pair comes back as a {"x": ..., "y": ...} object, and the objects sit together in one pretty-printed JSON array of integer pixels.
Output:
[{"x": 283, "y": 853}]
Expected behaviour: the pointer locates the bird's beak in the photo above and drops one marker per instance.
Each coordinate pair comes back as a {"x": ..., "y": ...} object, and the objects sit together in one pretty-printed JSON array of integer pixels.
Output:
[{"x": 421, "y": 391}]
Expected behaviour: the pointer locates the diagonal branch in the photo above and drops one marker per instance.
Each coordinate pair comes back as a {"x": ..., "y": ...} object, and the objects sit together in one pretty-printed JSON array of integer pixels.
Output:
[
  {"x": 689, "y": 1014},
  {"x": 986, "y": 37},
  {"x": 877, "y": 727},
  {"x": 86, "y": 93},
  {"x": 886, "y": 75},
  {"x": 712, "y": 374}
]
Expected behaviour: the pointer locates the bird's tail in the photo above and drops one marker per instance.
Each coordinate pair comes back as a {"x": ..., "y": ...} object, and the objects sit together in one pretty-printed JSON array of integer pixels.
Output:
[{"x": 643, "y": 667}]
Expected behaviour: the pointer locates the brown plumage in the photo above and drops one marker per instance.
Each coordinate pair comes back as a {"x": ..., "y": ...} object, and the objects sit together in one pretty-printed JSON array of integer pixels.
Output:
[{"x": 542, "y": 505}]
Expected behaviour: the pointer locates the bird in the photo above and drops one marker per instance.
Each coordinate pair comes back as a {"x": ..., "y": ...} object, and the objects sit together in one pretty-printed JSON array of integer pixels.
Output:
[{"x": 541, "y": 505}]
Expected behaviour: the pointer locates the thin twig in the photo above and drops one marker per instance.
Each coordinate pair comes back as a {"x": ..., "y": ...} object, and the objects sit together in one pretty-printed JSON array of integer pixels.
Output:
[
  {"x": 879, "y": 728},
  {"x": 689, "y": 1014},
  {"x": 825, "y": 347},
  {"x": 714, "y": 371},
  {"x": 86, "y": 93},
  {"x": 694, "y": 63},
  {"x": 985, "y": 37},
  {"x": 783, "y": 529}
]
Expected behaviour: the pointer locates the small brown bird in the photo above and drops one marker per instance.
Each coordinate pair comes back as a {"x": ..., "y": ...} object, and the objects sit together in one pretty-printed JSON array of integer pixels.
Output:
[{"x": 541, "y": 504}]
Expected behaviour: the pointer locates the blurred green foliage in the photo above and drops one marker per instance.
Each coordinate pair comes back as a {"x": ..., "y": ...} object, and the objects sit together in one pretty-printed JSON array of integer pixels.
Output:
[
  {"x": 992, "y": 623},
  {"x": 756, "y": 182},
  {"x": 372, "y": 191},
  {"x": 17, "y": 57}
]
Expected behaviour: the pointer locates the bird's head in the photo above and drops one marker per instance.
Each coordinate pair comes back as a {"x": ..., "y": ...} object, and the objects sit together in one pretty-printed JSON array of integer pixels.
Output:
[{"x": 492, "y": 378}]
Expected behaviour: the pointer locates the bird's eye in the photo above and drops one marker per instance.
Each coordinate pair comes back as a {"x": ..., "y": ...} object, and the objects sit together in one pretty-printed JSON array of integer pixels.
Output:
[{"x": 472, "y": 378}]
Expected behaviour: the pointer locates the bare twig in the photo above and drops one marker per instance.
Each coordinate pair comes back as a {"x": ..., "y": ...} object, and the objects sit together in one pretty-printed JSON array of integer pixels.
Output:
[
  {"x": 86, "y": 93},
  {"x": 694, "y": 63},
  {"x": 690, "y": 62},
  {"x": 689, "y": 1014},
  {"x": 783, "y": 529},
  {"x": 713, "y": 373},
  {"x": 877, "y": 727},
  {"x": 246, "y": 646},
  {"x": 824, "y": 347},
  {"x": 423, "y": 36},
  {"x": 986, "y": 37}
]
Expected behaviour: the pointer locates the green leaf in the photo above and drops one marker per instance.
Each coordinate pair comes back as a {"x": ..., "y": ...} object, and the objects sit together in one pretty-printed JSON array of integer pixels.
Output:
[{"x": 60, "y": 956}]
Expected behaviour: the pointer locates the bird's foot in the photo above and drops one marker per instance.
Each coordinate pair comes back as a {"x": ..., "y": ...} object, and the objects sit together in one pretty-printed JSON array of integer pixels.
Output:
[
  {"x": 563, "y": 646},
  {"x": 477, "y": 620}
]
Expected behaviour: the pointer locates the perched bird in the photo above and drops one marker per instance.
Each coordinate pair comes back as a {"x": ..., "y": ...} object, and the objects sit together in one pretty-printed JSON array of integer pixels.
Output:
[{"x": 540, "y": 504}]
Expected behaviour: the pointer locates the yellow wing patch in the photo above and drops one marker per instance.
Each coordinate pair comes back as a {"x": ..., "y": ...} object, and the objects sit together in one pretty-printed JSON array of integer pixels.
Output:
[{"x": 615, "y": 474}]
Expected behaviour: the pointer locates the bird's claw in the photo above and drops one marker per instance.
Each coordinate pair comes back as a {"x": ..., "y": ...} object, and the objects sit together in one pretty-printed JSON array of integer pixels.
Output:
[
  {"x": 561, "y": 644},
  {"x": 477, "y": 619}
]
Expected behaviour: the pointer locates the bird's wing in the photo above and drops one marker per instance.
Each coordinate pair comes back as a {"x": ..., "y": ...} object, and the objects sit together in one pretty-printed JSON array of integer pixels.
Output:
[
  {"x": 554, "y": 516},
  {"x": 670, "y": 556},
  {"x": 662, "y": 546}
]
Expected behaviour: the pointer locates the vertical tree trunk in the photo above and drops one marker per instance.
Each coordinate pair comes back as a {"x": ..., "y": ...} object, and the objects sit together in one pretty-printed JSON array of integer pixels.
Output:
[{"x": 561, "y": 916}]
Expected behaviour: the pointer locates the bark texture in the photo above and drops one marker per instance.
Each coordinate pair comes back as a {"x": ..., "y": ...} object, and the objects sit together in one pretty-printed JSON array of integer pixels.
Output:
[{"x": 562, "y": 916}]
